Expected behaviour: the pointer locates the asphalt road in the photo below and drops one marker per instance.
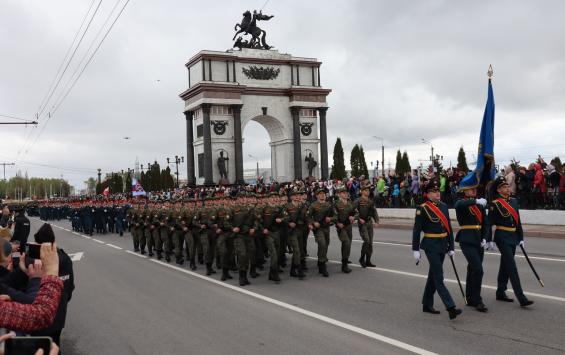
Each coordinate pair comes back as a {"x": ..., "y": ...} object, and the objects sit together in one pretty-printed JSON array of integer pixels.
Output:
[{"x": 128, "y": 304}]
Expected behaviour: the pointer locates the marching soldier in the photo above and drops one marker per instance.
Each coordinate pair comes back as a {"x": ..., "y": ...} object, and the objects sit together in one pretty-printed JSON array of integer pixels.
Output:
[
  {"x": 178, "y": 233},
  {"x": 293, "y": 210},
  {"x": 133, "y": 215},
  {"x": 244, "y": 245},
  {"x": 432, "y": 218},
  {"x": 473, "y": 238},
  {"x": 366, "y": 214},
  {"x": 344, "y": 212},
  {"x": 270, "y": 221},
  {"x": 204, "y": 219},
  {"x": 224, "y": 237},
  {"x": 505, "y": 216},
  {"x": 320, "y": 218}
]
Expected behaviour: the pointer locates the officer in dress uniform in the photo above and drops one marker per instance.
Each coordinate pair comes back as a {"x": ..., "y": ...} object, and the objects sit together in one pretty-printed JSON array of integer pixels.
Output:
[
  {"x": 473, "y": 239},
  {"x": 505, "y": 216},
  {"x": 432, "y": 218}
]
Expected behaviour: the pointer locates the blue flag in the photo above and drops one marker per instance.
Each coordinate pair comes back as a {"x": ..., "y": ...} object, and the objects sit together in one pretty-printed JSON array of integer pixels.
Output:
[{"x": 485, "y": 171}]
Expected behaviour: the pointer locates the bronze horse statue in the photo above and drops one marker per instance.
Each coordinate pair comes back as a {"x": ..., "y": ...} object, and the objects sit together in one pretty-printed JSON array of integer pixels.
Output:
[{"x": 248, "y": 25}]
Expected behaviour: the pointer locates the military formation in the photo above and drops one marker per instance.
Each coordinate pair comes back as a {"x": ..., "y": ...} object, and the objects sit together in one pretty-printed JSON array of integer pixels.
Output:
[
  {"x": 474, "y": 236},
  {"x": 249, "y": 233}
]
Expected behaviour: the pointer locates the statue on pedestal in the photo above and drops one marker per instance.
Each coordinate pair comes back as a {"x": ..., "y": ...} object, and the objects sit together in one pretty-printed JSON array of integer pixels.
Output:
[
  {"x": 311, "y": 163},
  {"x": 222, "y": 167}
]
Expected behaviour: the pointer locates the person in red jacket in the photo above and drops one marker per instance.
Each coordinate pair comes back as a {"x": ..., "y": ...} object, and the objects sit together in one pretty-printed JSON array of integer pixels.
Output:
[
  {"x": 540, "y": 189},
  {"x": 30, "y": 317}
]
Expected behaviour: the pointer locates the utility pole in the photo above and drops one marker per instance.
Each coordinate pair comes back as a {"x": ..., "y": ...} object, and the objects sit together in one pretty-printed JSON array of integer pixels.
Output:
[
  {"x": 177, "y": 162},
  {"x": 99, "y": 175},
  {"x": 382, "y": 153},
  {"x": 4, "y": 165}
]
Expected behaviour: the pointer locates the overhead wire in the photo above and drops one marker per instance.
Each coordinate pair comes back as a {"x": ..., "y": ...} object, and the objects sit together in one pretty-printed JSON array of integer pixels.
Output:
[{"x": 57, "y": 105}]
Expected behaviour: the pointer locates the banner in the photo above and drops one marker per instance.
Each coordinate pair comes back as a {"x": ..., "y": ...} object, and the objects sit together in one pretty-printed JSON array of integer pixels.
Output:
[{"x": 136, "y": 188}]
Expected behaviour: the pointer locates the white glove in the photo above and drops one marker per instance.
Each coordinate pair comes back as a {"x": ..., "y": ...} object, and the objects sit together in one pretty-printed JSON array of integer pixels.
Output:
[
  {"x": 451, "y": 253},
  {"x": 484, "y": 244},
  {"x": 521, "y": 243},
  {"x": 481, "y": 201},
  {"x": 491, "y": 246},
  {"x": 417, "y": 255}
]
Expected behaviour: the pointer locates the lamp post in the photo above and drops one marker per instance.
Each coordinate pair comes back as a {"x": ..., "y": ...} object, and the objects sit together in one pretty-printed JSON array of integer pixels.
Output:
[
  {"x": 177, "y": 162},
  {"x": 257, "y": 160},
  {"x": 432, "y": 148},
  {"x": 382, "y": 153}
]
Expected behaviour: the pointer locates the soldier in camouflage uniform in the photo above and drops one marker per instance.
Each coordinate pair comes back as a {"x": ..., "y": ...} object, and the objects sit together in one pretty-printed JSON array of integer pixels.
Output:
[
  {"x": 366, "y": 214},
  {"x": 320, "y": 218},
  {"x": 243, "y": 241},
  {"x": 270, "y": 220},
  {"x": 224, "y": 236},
  {"x": 293, "y": 211},
  {"x": 204, "y": 219},
  {"x": 344, "y": 212}
]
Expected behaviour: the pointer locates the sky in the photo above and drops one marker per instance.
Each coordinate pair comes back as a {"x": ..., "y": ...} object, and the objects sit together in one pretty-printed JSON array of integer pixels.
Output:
[{"x": 401, "y": 70}]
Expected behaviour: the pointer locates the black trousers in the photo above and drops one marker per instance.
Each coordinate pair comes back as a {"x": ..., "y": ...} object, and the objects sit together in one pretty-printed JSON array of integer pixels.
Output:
[
  {"x": 474, "y": 255},
  {"x": 508, "y": 270}
]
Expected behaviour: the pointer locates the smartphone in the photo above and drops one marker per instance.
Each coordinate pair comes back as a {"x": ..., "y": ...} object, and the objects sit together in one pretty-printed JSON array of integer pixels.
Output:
[
  {"x": 16, "y": 258},
  {"x": 33, "y": 250},
  {"x": 27, "y": 345}
]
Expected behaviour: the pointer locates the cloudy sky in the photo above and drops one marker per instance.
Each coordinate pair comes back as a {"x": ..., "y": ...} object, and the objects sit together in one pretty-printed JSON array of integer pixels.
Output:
[{"x": 401, "y": 70}]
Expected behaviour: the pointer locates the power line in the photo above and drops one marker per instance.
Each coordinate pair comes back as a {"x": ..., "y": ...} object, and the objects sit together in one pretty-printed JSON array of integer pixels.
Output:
[
  {"x": 92, "y": 55},
  {"x": 14, "y": 117},
  {"x": 71, "y": 57},
  {"x": 56, "y": 107}
]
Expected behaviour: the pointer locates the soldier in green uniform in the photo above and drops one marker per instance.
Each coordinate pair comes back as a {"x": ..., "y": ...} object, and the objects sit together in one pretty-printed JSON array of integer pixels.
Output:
[
  {"x": 187, "y": 214},
  {"x": 156, "y": 231},
  {"x": 224, "y": 236},
  {"x": 243, "y": 242},
  {"x": 167, "y": 229},
  {"x": 432, "y": 218},
  {"x": 472, "y": 237},
  {"x": 270, "y": 221},
  {"x": 175, "y": 219},
  {"x": 132, "y": 216},
  {"x": 148, "y": 229},
  {"x": 344, "y": 212},
  {"x": 505, "y": 215},
  {"x": 293, "y": 210},
  {"x": 204, "y": 219},
  {"x": 320, "y": 218},
  {"x": 304, "y": 230},
  {"x": 366, "y": 213}
]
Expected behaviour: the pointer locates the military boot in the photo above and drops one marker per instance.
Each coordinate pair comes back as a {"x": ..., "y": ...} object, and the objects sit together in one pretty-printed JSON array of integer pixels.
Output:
[
  {"x": 320, "y": 267},
  {"x": 142, "y": 251},
  {"x": 324, "y": 270},
  {"x": 159, "y": 255},
  {"x": 344, "y": 268},
  {"x": 274, "y": 275},
  {"x": 242, "y": 278},
  {"x": 167, "y": 257},
  {"x": 303, "y": 265},
  {"x": 362, "y": 260},
  {"x": 244, "y": 272},
  {"x": 201, "y": 259},
  {"x": 226, "y": 274},
  {"x": 253, "y": 273},
  {"x": 192, "y": 264},
  {"x": 209, "y": 269},
  {"x": 368, "y": 261},
  {"x": 293, "y": 271},
  {"x": 180, "y": 261},
  {"x": 301, "y": 274}
]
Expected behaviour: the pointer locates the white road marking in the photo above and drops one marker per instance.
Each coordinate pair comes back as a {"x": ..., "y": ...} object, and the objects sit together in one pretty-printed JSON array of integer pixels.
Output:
[
  {"x": 113, "y": 246},
  {"x": 85, "y": 236},
  {"x": 98, "y": 241},
  {"x": 76, "y": 256},
  {"x": 304, "y": 312},
  {"x": 136, "y": 254},
  {"x": 75, "y": 233},
  {"x": 423, "y": 276}
]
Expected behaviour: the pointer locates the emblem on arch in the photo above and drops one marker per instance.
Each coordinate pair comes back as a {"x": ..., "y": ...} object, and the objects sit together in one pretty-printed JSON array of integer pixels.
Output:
[
  {"x": 219, "y": 127},
  {"x": 306, "y": 128}
]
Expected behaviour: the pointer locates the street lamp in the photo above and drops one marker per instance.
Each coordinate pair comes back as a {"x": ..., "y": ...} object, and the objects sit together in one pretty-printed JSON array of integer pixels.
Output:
[
  {"x": 382, "y": 152},
  {"x": 257, "y": 160},
  {"x": 177, "y": 162}
]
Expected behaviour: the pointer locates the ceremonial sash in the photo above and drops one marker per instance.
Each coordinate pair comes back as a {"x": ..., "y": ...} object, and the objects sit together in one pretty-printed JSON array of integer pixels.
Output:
[
  {"x": 440, "y": 215},
  {"x": 477, "y": 212},
  {"x": 510, "y": 209}
]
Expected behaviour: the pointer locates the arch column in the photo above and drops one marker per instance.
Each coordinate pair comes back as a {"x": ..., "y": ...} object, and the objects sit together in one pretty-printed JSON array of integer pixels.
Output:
[
  {"x": 323, "y": 143},
  {"x": 238, "y": 144},
  {"x": 191, "y": 177},
  {"x": 207, "y": 139},
  {"x": 297, "y": 146}
]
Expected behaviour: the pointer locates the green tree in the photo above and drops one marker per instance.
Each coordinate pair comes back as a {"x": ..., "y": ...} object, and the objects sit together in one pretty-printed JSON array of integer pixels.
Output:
[
  {"x": 128, "y": 182},
  {"x": 462, "y": 161},
  {"x": 362, "y": 163},
  {"x": 406, "y": 168},
  {"x": 398, "y": 167},
  {"x": 155, "y": 177},
  {"x": 338, "y": 167},
  {"x": 354, "y": 161}
]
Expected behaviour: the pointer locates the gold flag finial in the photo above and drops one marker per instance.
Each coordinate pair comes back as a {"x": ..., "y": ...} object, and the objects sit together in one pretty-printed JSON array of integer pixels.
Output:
[{"x": 490, "y": 71}]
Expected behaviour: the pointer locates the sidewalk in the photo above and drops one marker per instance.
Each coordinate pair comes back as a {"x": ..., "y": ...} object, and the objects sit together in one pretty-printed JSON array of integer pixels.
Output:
[{"x": 530, "y": 230}]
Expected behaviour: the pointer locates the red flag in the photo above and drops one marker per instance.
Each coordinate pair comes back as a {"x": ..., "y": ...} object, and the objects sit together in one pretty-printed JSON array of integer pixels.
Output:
[{"x": 106, "y": 191}]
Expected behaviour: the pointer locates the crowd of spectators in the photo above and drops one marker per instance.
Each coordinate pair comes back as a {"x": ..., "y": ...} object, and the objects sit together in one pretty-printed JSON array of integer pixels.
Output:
[{"x": 34, "y": 292}]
